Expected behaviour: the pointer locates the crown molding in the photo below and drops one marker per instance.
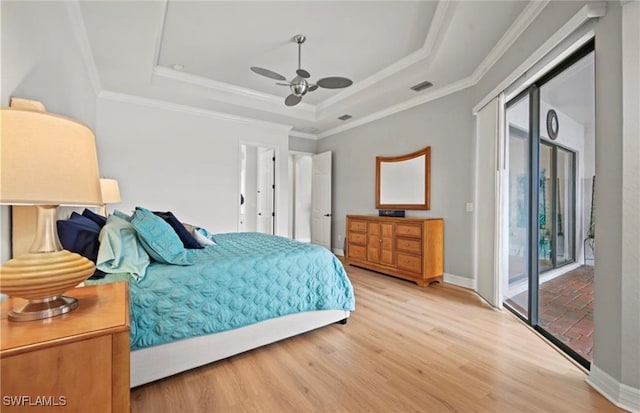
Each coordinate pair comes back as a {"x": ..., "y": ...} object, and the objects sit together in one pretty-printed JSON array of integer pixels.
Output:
[
  {"x": 408, "y": 104},
  {"x": 80, "y": 33},
  {"x": 524, "y": 20},
  {"x": 263, "y": 101},
  {"x": 156, "y": 52},
  {"x": 588, "y": 12},
  {"x": 304, "y": 135},
  {"x": 175, "y": 107},
  {"x": 304, "y": 111},
  {"x": 439, "y": 23}
]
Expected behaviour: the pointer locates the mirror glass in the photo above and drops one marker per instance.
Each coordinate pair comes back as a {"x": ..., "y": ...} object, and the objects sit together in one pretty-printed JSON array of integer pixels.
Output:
[{"x": 402, "y": 182}]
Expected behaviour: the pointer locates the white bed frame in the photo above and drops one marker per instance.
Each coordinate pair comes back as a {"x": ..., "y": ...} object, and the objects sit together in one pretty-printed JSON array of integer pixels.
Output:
[{"x": 153, "y": 363}]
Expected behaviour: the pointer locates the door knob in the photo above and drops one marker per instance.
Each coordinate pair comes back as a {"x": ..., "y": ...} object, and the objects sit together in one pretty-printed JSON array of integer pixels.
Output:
[{"x": 327, "y": 215}]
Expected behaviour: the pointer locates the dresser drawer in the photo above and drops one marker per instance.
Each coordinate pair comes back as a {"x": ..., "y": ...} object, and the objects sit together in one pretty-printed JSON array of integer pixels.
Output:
[
  {"x": 411, "y": 263},
  {"x": 409, "y": 245},
  {"x": 409, "y": 230},
  {"x": 357, "y": 225},
  {"x": 357, "y": 252},
  {"x": 357, "y": 238}
]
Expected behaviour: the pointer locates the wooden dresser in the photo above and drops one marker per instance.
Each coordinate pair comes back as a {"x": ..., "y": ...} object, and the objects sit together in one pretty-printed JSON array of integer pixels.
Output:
[
  {"x": 409, "y": 248},
  {"x": 76, "y": 362}
]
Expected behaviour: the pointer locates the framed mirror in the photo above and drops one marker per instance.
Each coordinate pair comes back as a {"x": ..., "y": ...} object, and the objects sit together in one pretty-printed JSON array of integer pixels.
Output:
[{"x": 403, "y": 182}]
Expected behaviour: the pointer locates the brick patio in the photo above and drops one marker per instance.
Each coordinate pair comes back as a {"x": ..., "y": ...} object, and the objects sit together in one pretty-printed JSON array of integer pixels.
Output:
[{"x": 566, "y": 309}]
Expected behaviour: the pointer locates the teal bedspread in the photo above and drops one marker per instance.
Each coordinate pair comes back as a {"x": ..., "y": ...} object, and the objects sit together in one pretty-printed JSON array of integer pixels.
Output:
[{"x": 245, "y": 279}]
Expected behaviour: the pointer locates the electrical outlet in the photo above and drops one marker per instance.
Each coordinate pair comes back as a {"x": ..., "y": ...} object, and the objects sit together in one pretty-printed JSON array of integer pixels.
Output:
[
  {"x": 469, "y": 206},
  {"x": 339, "y": 238}
]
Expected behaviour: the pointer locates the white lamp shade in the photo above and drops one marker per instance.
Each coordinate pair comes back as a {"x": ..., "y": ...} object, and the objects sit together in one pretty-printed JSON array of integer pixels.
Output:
[
  {"x": 47, "y": 160},
  {"x": 110, "y": 191}
]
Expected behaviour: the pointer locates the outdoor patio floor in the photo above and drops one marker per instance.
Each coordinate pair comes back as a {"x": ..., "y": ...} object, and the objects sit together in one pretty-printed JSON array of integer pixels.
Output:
[{"x": 566, "y": 309}]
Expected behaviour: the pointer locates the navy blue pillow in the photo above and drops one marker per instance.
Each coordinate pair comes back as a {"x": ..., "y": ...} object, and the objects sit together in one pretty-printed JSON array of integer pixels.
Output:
[
  {"x": 89, "y": 223},
  {"x": 79, "y": 237},
  {"x": 97, "y": 218},
  {"x": 187, "y": 239}
]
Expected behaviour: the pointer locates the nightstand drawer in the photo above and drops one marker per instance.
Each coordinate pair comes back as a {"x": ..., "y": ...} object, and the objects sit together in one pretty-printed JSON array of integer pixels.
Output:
[{"x": 78, "y": 361}]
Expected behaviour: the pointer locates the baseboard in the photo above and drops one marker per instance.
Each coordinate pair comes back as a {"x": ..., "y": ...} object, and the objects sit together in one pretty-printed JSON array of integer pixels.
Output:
[
  {"x": 623, "y": 396},
  {"x": 338, "y": 251},
  {"x": 458, "y": 280}
]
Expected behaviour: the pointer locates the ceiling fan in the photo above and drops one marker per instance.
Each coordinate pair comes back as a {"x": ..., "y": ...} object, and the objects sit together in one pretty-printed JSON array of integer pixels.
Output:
[{"x": 299, "y": 85}]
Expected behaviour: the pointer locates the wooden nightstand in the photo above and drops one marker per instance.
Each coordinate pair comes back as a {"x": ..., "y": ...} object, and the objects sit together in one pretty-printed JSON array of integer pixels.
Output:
[{"x": 78, "y": 361}]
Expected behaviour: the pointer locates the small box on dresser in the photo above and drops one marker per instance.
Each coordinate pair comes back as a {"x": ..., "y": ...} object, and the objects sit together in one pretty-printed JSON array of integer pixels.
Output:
[
  {"x": 76, "y": 362},
  {"x": 408, "y": 248}
]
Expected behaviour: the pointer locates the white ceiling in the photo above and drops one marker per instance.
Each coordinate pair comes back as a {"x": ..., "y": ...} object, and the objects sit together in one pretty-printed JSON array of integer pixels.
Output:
[
  {"x": 573, "y": 91},
  {"x": 385, "y": 47}
]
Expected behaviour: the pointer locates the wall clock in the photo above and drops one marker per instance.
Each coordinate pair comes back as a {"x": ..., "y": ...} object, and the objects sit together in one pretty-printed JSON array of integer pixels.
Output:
[{"x": 552, "y": 124}]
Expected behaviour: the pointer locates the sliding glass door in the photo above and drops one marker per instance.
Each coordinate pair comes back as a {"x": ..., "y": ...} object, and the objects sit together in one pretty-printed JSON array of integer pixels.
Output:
[{"x": 548, "y": 129}]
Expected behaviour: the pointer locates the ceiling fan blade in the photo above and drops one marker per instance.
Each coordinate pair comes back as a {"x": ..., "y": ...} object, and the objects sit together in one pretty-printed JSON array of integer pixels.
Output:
[
  {"x": 334, "y": 82},
  {"x": 283, "y": 84},
  {"x": 292, "y": 100},
  {"x": 303, "y": 73},
  {"x": 312, "y": 88},
  {"x": 268, "y": 73}
]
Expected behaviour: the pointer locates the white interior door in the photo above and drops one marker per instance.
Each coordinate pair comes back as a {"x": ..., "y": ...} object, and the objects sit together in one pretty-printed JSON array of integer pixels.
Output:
[
  {"x": 321, "y": 199},
  {"x": 265, "y": 191}
]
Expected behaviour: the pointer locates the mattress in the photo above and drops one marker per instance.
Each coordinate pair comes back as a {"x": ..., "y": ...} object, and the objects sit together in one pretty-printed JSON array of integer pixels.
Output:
[{"x": 245, "y": 279}]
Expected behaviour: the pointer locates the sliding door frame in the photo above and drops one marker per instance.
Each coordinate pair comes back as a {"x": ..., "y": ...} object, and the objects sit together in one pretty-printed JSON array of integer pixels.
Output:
[{"x": 533, "y": 91}]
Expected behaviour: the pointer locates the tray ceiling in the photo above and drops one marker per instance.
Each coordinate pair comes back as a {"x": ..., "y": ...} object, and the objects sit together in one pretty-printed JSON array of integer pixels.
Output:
[{"x": 385, "y": 47}]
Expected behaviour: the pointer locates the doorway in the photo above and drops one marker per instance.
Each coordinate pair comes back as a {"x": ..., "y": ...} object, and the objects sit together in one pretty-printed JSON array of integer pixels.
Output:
[
  {"x": 310, "y": 183},
  {"x": 550, "y": 165},
  {"x": 257, "y": 189},
  {"x": 300, "y": 179}
]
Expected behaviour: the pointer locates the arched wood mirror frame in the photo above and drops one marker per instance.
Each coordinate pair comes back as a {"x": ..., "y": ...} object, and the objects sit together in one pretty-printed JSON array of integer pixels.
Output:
[{"x": 404, "y": 182}]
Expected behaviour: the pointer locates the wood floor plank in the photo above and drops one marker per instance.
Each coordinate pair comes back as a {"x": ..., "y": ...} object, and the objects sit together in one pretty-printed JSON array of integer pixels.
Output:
[{"x": 404, "y": 349}]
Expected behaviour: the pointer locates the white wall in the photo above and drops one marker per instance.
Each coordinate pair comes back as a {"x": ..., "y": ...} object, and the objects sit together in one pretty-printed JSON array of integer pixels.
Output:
[
  {"x": 302, "y": 144},
  {"x": 41, "y": 60},
  {"x": 188, "y": 162}
]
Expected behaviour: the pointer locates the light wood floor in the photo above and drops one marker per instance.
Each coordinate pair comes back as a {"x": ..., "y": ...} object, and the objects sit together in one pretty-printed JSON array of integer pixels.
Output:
[{"x": 405, "y": 348}]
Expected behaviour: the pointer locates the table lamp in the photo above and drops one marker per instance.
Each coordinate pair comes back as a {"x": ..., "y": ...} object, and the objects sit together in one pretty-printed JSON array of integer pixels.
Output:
[
  {"x": 46, "y": 160},
  {"x": 110, "y": 193}
]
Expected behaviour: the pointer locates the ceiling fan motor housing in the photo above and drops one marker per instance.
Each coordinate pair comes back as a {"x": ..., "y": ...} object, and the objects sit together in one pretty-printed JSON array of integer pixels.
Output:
[{"x": 299, "y": 86}]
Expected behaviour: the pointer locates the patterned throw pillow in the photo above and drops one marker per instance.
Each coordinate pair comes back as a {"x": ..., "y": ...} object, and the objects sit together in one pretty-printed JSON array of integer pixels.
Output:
[{"x": 158, "y": 238}]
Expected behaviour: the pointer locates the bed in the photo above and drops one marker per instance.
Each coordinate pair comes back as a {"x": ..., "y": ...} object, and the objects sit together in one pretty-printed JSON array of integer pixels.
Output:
[{"x": 247, "y": 291}]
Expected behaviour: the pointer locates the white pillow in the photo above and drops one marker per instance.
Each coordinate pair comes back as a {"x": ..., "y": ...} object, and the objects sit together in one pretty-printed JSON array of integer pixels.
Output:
[{"x": 202, "y": 239}]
